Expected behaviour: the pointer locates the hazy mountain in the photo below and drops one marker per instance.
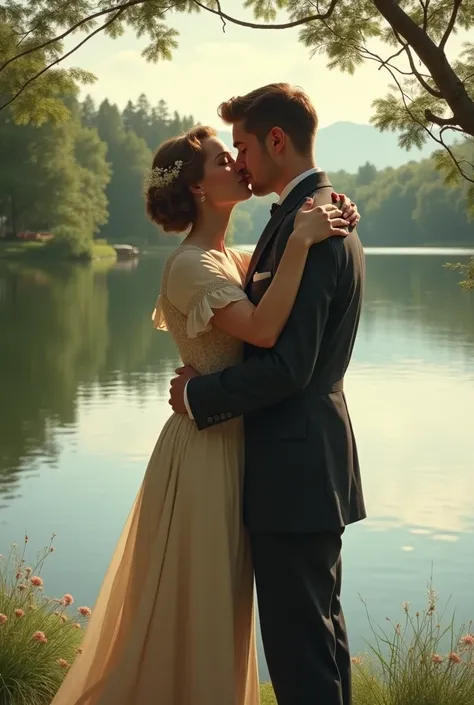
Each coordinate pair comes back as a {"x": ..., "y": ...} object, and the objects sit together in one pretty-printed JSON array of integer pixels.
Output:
[{"x": 348, "y": 145}]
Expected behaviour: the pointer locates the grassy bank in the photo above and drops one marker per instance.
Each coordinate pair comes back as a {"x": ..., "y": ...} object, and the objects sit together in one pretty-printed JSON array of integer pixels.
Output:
[
  {"x": 416, "y": 661},
  {"x": 28, "y": 250}
]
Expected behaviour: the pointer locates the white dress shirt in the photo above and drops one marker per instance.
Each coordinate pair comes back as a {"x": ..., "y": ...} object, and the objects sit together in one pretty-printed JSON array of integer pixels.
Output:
[{"x": 286, "y": 192}]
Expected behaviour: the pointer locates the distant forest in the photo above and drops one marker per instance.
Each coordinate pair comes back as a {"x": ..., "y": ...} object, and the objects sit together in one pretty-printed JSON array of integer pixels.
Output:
[{"x": 83, "y": 179}]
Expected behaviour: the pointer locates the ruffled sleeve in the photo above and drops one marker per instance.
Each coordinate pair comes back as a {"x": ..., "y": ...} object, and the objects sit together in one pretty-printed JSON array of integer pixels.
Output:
[
  {"x": 201, "y": 312},
  {"x": 197, "y": 285},
  {"x": 158, "y": 317}
]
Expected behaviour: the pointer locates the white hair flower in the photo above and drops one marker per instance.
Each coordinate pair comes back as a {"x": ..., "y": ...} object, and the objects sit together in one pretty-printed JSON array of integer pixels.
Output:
[{"x": 163, "y": 176}]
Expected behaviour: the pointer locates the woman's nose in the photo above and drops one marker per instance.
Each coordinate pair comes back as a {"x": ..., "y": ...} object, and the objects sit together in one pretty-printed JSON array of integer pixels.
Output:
[{"x": 239, "y": 164}]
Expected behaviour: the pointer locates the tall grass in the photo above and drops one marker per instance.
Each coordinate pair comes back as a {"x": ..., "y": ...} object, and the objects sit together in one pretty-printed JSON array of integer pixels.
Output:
[
  {"x": 413, "y": 662},
  {"x": 417, "y": 661},
  {"x": 39, "y": 637}
]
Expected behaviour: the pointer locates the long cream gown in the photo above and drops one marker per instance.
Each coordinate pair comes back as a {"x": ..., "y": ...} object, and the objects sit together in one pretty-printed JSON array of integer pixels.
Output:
[{"x": 173, "y": 623}]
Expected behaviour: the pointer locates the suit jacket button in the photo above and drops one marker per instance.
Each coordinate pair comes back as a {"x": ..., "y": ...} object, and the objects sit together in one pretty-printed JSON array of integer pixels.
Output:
[
  {"x": 216, "y": 417},
  {"x": 229, "y": 415},
  {"x": 223, "y": 416},
  {"x": 210, "y": 419}
]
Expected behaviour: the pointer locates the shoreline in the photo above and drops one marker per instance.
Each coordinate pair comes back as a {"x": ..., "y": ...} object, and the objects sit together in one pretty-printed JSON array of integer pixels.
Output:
[
  {"x": 11, "y": 250},
  {"x": 101, "y": 250}
]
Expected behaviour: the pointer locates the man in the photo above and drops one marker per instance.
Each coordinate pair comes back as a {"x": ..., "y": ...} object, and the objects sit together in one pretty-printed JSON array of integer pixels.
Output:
[{"x": 302, "y": 480}]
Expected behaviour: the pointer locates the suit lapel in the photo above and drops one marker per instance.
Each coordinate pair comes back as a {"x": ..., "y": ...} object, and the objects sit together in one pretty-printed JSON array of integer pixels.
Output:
[
  {"x": 312, "y": 183},
  {"x": 270, "y": 228}
]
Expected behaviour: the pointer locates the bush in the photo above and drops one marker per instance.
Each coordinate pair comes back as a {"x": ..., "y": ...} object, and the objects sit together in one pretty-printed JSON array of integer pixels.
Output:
[
  {"x": 39, "y": 637},
  {"x": 70, "y": 245}
]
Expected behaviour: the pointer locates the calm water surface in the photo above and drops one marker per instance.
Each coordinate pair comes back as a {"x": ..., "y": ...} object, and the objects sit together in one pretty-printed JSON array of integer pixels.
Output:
[{"x": 83, "y": 390}]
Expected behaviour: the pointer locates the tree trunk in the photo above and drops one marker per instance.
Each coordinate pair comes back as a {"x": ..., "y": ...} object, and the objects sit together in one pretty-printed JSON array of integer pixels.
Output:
[{"x": 434, "y": 58}]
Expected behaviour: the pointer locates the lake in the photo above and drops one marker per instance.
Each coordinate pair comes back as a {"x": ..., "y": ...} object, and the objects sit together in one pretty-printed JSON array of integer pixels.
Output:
[{"x": 84, "y": 385}]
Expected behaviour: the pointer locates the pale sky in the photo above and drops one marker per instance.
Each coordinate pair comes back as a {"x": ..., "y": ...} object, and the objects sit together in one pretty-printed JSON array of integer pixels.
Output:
[{"x": 210, "y": 66}]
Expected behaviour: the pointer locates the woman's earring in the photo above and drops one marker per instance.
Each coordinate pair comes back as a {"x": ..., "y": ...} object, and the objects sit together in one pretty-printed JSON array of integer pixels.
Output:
[{"x": 203, "y": 198}]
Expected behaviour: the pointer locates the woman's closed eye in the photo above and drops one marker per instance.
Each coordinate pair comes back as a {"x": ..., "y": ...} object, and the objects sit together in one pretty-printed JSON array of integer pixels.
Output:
[{"x": 226, "y": 159}]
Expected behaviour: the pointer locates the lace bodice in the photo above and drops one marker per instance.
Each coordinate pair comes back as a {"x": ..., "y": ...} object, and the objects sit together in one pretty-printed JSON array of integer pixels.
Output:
[{"x": 195, "y": 282}]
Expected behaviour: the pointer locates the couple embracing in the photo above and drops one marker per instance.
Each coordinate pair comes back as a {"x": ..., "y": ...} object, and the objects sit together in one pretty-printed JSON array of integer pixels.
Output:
[{"x": 255, "y": 475}]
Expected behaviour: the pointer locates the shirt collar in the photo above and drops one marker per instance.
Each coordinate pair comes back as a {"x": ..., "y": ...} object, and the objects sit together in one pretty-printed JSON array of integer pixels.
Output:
[{"x": 294, "y": 182}]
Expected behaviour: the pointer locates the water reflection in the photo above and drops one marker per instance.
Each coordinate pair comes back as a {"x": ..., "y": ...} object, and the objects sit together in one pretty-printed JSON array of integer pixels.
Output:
[{"x": 71, "y": 336}]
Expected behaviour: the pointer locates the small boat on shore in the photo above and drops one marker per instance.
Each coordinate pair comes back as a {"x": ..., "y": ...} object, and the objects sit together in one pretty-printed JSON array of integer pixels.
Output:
[{"x": 126, "y": 251}]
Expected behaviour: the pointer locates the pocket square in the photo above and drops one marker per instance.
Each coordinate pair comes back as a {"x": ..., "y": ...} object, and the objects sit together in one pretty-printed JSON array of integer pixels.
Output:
[{"x": 258, "y": 276}]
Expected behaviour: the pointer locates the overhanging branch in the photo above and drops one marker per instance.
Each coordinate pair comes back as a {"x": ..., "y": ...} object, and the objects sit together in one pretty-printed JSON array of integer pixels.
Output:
[
  {"x": 451, "y": 23},
  {"x": 258, "y": 25},
  {"x": 425, "y": 6},
  {"x": 442, "y": 122},
  {"x": 76, "y": 26},
  {"x": 439, "y": 140},
  {"x": 445, "y": 78},
  {"x": 432, "y": 91},
  {"x": 48, "y": 15},
  {"x": 57, "y": 61}
]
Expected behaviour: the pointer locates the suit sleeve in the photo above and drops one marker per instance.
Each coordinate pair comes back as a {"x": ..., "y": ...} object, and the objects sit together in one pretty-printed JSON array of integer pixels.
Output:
[{"x": 268, "y": 377}]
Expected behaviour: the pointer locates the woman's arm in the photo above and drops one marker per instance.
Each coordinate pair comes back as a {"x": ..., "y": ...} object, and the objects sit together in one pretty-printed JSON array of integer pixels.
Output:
[{"x": 261, "y": 325}]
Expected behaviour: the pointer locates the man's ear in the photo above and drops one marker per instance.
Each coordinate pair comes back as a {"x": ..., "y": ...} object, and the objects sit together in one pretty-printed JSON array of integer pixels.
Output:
[{"x": 276, "y": 140}]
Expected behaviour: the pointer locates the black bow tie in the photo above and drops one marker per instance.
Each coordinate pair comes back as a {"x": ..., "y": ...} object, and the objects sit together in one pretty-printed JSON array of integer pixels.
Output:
[{"x": 274, "y": 207}]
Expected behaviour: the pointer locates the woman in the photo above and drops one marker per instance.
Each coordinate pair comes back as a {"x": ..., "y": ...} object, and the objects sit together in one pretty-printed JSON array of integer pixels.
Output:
[{"x": 173, "y": 624}]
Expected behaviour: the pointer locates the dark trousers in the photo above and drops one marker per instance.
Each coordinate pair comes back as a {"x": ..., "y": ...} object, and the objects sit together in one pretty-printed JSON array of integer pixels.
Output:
[{"x": 298, "y": 580}]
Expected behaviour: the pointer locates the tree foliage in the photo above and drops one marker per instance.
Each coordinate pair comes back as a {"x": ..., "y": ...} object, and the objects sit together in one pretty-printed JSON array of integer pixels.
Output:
[
  {"x": 430, "y": 95},
  {"x": 30, "y": 88},
  {"x": 82, "y": 177},
  {"x": 53, "y": 179}
]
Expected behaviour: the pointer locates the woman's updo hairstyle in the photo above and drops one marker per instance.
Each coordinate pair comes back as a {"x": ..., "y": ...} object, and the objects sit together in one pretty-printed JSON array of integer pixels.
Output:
[{"x": 178, "y": 164}]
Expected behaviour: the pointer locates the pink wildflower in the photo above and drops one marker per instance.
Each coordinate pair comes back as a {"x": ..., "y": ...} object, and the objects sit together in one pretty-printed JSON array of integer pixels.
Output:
[
  {"x": 28, "y": 572},
  {"x": 454, "y": 657},
  {"x": 68, "y": 599},
  {"x": 3, "y": 619},
  {"x": 21, "y": 587},
  {"x": 63, "y": 663},
  {"x": 436, "y": 658},
  {"x": 467, "y": 640},
  {"x": 41, "y": 637},
  {"x": 19, "y": 613},
  {"x": 37, "y": 581},
  {"x": 85, "y": 611}
]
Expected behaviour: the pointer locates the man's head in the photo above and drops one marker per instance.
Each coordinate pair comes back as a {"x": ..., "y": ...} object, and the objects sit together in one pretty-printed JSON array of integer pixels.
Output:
[{"x": 273, "y": 130}]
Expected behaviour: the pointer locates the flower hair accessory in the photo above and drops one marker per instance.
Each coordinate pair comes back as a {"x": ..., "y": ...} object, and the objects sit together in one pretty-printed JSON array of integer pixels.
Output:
[{"x": 163, "y": 176}]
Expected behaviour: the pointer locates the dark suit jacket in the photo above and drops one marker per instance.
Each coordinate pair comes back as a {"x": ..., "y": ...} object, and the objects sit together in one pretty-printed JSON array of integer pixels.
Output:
[{"x": 301, "y": 464}]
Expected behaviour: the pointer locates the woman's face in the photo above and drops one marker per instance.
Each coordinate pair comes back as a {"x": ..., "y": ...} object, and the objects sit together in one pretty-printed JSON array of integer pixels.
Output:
[{"x": 222, "y": 183}]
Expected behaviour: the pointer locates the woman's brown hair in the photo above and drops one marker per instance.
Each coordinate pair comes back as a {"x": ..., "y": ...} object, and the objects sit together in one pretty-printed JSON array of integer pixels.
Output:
[{"x": 172, "y": 206}]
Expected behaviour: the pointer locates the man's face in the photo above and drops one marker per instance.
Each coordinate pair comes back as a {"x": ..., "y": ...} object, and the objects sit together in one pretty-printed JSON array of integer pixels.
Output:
[{"x": 254, "y": 161}]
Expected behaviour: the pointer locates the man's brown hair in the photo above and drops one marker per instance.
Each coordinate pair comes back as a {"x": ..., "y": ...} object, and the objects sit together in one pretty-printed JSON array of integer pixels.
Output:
[{"x": 275, "y": 105}]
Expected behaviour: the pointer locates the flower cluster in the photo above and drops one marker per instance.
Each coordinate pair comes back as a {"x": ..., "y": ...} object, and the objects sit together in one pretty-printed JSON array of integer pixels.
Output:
[
  {"x": 163, "y": 176},
  {"x": 40, "y": 636}
]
